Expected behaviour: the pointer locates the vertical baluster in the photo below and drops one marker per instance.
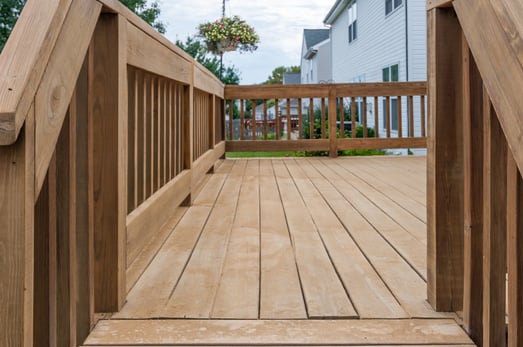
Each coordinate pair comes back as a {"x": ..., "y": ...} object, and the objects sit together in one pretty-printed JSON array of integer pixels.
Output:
[
  {"x": 161, "y": 133},
  {"x": 242, "y": 121},
  {"x": 322, "y": 118},
  {"x": 289, "y": 125},
  {"x": 387, "y": 116},
  {"x": 495, "y": 224},
  {"x": 300, "y": 119},
  {"x": 423, "y": 121},
  {"x": 411, "y": 116},
  {"x": 277, "y": 119},
  {"x": 131, "y": 99},
  {"x": 342, "y": 118},
  {"x": 364, "y": 118},
  {"x": 354, "y": 114},
  {"x": 253, "y": 120},
  {"x": 515, "y": 253},
  {"x": 265, "y": 125},
  {"x": 376, "y": 118},
  {"x": 311, "y": 119},
  {"x": 400, "y": 118}
]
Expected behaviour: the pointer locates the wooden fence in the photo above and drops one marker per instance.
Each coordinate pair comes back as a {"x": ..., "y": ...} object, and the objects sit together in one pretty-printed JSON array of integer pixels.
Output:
[
  {"x": 326, "y": 117},
  {"x": 475, "y": 187}
]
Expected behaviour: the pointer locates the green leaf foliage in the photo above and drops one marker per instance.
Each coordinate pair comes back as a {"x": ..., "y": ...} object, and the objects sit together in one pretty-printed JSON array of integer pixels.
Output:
[
  {"x": 197, "y": 49},
  {"x": 276, "y": 76},
  {"x": 149, "y": 11}
]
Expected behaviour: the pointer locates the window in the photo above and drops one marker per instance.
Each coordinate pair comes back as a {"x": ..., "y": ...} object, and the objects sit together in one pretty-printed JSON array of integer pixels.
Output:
[
  {"x": 391, "y": 5},
  {"x": 391, "y": 74},
  {"x": 353, "y": 19}
]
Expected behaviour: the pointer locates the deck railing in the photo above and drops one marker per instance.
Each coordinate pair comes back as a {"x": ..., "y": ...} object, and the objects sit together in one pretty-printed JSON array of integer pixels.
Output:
[
  {"x": 105, "y": 128},
  {"x": 475, "y": 187},
  {"x": 326, "y": 117}
]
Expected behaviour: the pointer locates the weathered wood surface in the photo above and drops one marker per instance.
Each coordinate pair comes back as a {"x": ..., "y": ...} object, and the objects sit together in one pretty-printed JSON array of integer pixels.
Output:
[
  {"x": 24, "y": 60},
  {"x": 335, "y": 224},
  {"x": 277, "y": 332},
  {"x": 445, "y": 162},
  {"x": 494, "y": 31}
]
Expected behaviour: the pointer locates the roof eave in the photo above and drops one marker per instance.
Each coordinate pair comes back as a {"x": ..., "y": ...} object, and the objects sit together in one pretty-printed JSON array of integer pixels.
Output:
[{"x": 335, "y": 11}]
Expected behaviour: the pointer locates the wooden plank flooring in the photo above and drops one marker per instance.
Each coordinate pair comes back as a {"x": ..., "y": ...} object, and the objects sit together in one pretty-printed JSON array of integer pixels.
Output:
[{"x": 296, "y": 251}]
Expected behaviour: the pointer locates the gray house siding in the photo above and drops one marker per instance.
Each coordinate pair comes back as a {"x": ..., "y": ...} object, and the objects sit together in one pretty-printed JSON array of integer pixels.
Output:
[{"x": 381, "y": 42}]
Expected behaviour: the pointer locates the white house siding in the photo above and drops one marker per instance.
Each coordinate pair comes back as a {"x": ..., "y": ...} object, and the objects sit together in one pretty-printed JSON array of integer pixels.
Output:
[{"x": 381, "y": 42}]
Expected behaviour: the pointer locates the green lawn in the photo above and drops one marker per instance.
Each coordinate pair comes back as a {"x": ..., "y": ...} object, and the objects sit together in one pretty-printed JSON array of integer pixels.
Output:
[
  {"x": 260, "y": 154},
  {"x": 357, "y": 152}
]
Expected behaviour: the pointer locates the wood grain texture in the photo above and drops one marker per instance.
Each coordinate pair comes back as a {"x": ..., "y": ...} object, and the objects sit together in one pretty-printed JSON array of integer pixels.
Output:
[
  {"x": 280, "y": 292},
  {"x": 514, "y": 253},
  {"x": 24, "y": 60},
  {"x": 146, "y": 220},
  {"x": 57, "y": 85},
  {"x": 108, "y": 111},
  {"x": 494, "y": 32},
  {"x": 322, "y": 90},
  {"x": 16, "y": 239},
  {"x": 445, "y": 163},
  {"x": 323, "y": 291},
  {"x": 368, "y": 292},
  {"x": 494, "y": 228},
  {"x": 473, "y": 195},
  {"x": 235, "y": 332}
]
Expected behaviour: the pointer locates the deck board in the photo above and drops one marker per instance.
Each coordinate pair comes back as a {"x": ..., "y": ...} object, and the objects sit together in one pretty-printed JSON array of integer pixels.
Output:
[
  {"x": 271, "y": 245},
  {"x": 260, "y": 332},
  {"x": 280, "y": 291}
]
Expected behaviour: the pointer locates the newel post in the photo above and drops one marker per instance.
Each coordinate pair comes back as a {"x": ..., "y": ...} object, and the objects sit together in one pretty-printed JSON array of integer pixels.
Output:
[
  {"x": 445, "y": 162},
  {"x": 17, "y": 192},
  {"x": 108, "y": 146}
]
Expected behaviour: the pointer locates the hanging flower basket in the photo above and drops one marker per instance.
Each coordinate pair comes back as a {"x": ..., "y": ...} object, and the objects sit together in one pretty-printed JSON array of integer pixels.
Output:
[{"x": 229, "y": 34}]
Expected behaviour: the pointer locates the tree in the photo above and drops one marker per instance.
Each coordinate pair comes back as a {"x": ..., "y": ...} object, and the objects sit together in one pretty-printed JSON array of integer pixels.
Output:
[
  {"x": 277, "y": 74},
  {"x": 148, "y": 12},
  {"x": 9, "y": 13},
  {"x": 197, "y": 49}
]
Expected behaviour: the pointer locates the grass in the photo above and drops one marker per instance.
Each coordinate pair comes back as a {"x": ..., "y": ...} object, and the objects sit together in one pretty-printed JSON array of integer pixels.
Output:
[
  {"x": 260, "y": 154},
  {"x": 356, "y": 152}
]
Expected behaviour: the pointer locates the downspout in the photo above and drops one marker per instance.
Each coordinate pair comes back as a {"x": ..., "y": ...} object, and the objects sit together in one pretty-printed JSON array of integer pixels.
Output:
[{"x": 407, "y": 39}]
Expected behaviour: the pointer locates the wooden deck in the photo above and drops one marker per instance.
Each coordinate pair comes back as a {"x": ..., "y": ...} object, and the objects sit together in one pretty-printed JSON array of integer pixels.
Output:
[{"x": 291, "y": 252}]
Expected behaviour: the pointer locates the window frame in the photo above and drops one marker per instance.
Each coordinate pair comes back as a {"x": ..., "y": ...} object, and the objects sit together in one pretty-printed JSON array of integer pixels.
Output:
[
  {"x": 393, "y": 108},
  {"x": 393, "y": 6},
  {"x": 352, "y": 28}
]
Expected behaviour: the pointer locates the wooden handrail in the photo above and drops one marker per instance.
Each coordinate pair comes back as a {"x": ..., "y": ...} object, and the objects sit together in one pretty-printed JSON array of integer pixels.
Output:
[{"x": 23, "y": 62}]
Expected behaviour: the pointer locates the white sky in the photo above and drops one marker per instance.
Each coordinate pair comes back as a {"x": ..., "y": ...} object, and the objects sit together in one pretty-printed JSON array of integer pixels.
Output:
[{"x": 279, "y": 23}]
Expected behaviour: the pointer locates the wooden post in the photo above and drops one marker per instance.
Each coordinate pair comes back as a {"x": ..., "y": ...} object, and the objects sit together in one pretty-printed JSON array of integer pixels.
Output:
[
  {"x": 515, "y": 253},
  {"x": 445, "y": 163},
  {"x": 473, "y": 195},
  {"x": 333, "y": 139},
  {"x": 108, "y": 135},
  {"x": 17, "y": 193},
  {"x": 494, "y": 228}
]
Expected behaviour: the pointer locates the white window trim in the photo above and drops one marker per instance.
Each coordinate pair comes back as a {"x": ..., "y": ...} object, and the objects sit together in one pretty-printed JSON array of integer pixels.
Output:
[
  {"x": 393, "y": 9},
  {"x": 351, "y": 22}
]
